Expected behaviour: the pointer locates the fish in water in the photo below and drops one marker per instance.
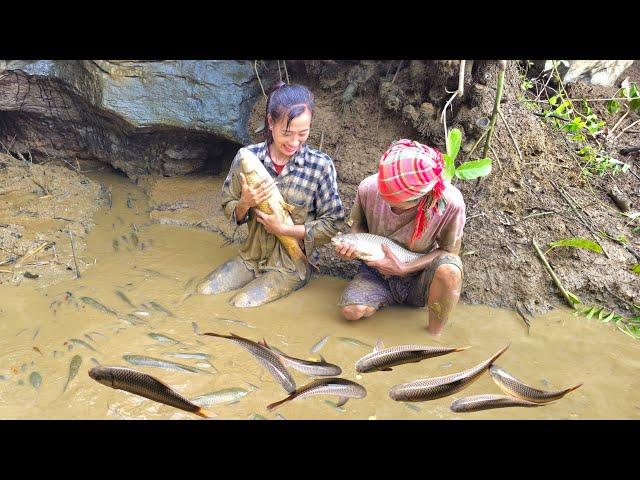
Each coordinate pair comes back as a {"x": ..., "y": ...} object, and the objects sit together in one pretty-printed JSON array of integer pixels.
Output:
[
  {"x": 76, "y": 361},
  {"x": 257, "y": 416},
  {"x": 96, "y": 362},
  {"x": 36, "y": 333},
  {"x": 355, "y": 342},
  {"x": 82, "y": 343},
  {"x": 163, "y": 338},
  {"x": 124, "y": 298},
  {"x": 115, "y": 244},
  {"x": 227, "y": 395},
  {"x": 319, "y": 344},
  {"x": 195, "y": 327},
  {"x": 512, "y": 386},
  {"x": 255, "y": 173},
  {"x": 197, "y": 356},
  {"x": 382, "y": 359},
  {"x": 313, "y": 369},
  {"x": 340, "y": 387},
  {"x": 97, "y": 305},
  {"x": 134, "y": 239},
  {"x": 335, "y": 407},
  {"x": 438, "y": 387},
  {"x": 147, "y": 386},
  {"x": 486, "y": 402},
  {"x": 88, "y": 337},
  {"x": 160, "y": 308},
  {"x": 38, "y": 350},
  {"x": 267, "y": 358},
  {"x": 133, "y": 320},
  {"x": 35, "y": 379},
  {"x": 141, "y": 313},
  {"x": 231, "y": 321},
  {"x": 159, "y": 363},
  {"x": 368, "y": 246}
]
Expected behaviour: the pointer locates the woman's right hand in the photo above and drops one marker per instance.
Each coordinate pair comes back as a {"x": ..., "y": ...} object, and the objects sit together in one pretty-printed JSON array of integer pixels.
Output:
[
  {"x": 346, "y": 251},
  {"x": 252, "y": 196}
]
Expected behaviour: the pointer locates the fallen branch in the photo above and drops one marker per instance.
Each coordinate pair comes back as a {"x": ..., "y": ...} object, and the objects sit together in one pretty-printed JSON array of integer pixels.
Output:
[
  {"x": 515, "y": 144},
  {"x": 397, "y": 71},
  {"x": 73, "y": 251},
  {"x": 524, "y": 318},
  {"x": 627, "y": 128},
  {"x": 31, "y": 253},
  {"x": 619, "y": 121},
  {"x": 628, "y": 150},
  {"x": 459, "y": 91},
  {"x": 555, "y": 279}
]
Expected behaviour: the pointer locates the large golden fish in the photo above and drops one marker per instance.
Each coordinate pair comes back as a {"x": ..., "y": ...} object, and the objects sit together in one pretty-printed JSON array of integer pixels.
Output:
[{"x": 255, "y": 173}]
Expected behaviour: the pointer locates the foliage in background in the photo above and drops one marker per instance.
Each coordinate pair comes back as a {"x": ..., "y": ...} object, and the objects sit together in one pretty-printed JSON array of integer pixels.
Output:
[{"x": 468, "y": 170}]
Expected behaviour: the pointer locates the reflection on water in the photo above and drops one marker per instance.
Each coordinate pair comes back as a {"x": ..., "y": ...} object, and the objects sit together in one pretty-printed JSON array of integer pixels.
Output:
[{"x": 138, "y": 299}]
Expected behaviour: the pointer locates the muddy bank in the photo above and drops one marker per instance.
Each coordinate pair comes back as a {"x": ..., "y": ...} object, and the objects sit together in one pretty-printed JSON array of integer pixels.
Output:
[{"x": 537, "y": 190}]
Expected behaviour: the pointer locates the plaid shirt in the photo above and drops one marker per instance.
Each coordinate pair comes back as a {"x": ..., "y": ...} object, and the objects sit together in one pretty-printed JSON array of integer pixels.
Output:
[{"x": 308, "y": 183}]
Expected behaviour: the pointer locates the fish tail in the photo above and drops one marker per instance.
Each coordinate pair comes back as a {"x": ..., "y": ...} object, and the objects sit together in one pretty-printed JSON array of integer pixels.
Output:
[
  {"x": 277, "y": 404},
  {"x": 460, "y": 349},
  {"x": 201, "y": 412},
  {"x": 301, "y": 267},
  {"x": 493, "y": 359},
  {"x": 211, "y": 334},
  {"x": 573, "y": 388}
]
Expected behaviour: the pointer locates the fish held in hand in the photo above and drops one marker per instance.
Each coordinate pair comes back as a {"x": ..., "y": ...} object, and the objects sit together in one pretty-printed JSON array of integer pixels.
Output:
[
  {"x": 516, "y": 388},
  {"x": 382, "y": 359},
  {"x": 368, "y": 247},
  {"x": 438, "y": 387},
  {"x": 145, "y": 385}
]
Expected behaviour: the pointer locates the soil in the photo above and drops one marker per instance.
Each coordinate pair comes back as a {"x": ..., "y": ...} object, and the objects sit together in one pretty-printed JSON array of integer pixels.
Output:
[{"x": 361, "y": 107}]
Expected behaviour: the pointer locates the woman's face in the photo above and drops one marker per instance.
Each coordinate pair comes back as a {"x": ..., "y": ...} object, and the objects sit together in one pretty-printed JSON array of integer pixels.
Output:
[{"x": 288, "y": 142}]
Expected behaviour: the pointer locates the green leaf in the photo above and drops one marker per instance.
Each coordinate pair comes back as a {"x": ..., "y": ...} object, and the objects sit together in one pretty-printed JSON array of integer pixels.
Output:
[
  {"x": 577, "y": 243},
  {"x": 636, "y": 268},
  {"x": 449, "y": 167},
  {"x": 575, "y": 300},
  {"x": 591, "y": 312},
  {"x": 453, "y": 143},
  {"x": 608, "y": 318},
  {"x": 553, "y": 100},
  {"x": 613, "y": 106},
  {"x": 634, "y": 104},
  {"x": 474, "y": 169}
]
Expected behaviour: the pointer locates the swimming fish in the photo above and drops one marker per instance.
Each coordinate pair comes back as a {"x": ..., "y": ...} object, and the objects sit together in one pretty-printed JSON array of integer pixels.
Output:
[
  {"x": 341, "y": 387},
  {"x": 512, "y": 386},
  {"x": 383, "y": 359},
  {"x": 486, "y": 402}
]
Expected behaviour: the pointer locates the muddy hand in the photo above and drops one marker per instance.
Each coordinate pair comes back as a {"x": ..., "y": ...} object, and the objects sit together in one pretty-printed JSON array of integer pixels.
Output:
[
  {"x": 271, "y": 223},
  {"x": 346, "y": 251},
  {"x": 253, "y": 196}
]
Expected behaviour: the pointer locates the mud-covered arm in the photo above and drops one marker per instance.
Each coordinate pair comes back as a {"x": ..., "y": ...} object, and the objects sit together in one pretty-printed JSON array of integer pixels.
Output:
[
  {"x": 329, "y": 212},
  {"x": 231, "y": 190},
  {"x": 357, "y": 219}
]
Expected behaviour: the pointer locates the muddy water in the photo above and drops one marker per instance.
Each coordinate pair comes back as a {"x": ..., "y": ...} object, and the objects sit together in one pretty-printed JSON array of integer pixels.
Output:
[{"x": 560, "y": 351}]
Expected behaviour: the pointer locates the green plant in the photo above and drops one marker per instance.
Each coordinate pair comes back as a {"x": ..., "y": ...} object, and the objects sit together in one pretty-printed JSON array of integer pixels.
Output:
[
  {"x": 628, "y": 325},
  {"x": 576, "y": 242},
  {"x": 467, "y": 171},
  {"x": 628, "y": 92}
]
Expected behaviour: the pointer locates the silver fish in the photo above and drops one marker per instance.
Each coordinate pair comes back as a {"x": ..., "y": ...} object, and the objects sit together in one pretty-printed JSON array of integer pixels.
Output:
[
  {"x": 514, "y": 387},
  {"x": 124, "y": 298},
  {"x": 314, "y": 369},
  {"x": 160, "y": 308},
  {"x": 35, "y": 379},
  {"x": 438, "y": 387},
  {"x": 159, "y": 363},
  {"x": 369, "y": 246},
  {"x": 76, "y": 361},
  {"x": 197, "y": 356},
  {"x": 266, "y": 357},
  {"x": 382, "y": 359},
  {"x": 97, "y": 305},
  {"x": 82, "y": 343},
  {"x": 227, "y": 395},
  {"x": 486, "y": 402},
  {"x": 163, "y": 338},
  {"x": 355, "y": 342},
  {"x": 234, "y": 322},
  {"x": 341, "y": 387},
  {"x": 319, "y": 344},
  {"x": 145, "y": 385},
  {"x": 133, "y": 320}
]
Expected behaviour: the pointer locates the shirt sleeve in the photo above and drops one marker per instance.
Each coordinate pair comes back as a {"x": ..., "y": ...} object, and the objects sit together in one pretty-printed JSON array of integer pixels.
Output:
[
  {"x": 231, "y": 190},
  {"x": 357, "y": 216},
  {"x": 329, "y": 212}
]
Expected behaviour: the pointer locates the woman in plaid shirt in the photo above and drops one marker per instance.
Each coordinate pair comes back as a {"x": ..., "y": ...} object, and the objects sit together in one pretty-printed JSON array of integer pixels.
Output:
[{"x": 306, "y": 178}]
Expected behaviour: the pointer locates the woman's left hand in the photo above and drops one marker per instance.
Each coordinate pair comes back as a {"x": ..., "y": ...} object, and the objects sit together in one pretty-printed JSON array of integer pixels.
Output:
[
  {"x": 271, "y": 223},
  {"x": 389, "y": 265}
]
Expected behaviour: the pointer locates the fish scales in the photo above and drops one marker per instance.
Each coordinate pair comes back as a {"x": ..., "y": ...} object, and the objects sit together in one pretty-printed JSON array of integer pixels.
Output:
[
  {"x": 369, "y": 246},
  {"x": 488, "y": 401},
  {"x": 438, "y": 387},
  {"x": 400, "y": 354},
  {"x": 517, "y": 388},
  {"x": 340, "y": 387}
]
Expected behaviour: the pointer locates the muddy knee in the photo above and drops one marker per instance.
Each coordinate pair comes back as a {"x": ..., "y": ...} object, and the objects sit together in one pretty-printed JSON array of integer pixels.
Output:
[
  {"x": 356, "y": 312},
  {"x": 448, "y": 277}
]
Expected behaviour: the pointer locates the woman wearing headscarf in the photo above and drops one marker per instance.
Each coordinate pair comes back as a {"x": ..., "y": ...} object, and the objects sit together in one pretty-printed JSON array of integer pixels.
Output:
[{"x": 408, "y": 202}]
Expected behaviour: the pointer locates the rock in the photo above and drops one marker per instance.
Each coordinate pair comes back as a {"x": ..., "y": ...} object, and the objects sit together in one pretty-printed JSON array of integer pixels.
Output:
[
  {"x": 595, "y": 72},
  {"x": 169, "y": 117}
]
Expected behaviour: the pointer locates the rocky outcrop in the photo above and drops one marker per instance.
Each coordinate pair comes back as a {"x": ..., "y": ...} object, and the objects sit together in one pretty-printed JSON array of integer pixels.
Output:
[
  {"x": 595, "y": 72},
  {"x": 167, "y": 117}
]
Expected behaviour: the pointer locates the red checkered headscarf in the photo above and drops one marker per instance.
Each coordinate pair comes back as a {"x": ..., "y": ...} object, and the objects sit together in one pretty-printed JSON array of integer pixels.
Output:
[{"x": 408, "y": 171}]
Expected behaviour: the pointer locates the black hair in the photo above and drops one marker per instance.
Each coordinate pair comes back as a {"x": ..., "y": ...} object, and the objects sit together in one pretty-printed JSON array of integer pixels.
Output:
[{"x": 291, "y": 100}]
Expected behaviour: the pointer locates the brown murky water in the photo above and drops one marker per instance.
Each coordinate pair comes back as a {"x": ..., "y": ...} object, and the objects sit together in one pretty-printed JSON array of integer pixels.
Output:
[{"x": 560, "y": 351}]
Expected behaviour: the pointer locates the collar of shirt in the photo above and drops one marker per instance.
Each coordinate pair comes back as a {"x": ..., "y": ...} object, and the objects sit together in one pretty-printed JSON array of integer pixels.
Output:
[{"x": 298, "y": 158}]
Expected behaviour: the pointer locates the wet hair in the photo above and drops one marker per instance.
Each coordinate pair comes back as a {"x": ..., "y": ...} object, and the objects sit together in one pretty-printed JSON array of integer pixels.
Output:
[{"x": 286, "y": 100}]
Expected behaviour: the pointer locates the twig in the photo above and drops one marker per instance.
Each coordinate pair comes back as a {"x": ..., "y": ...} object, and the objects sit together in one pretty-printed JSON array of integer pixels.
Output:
[
  {"x": 397, "y": 70},
  {"x": 73, "y": 251},
  {"x": 476, "y": 215},
  {"x": 255, "y": 67},
  {"x": 627, "y": 128},
  {"x": 496, "y": 106},
  {"x": 539, "y": 214},
  {"x": 565, "y": 294},
  {"x": 321, "y": 139},
  {"x": 279, "y": 71},
  {"x": 515, "y": 144},
  {"x": 459, "y": 91},
  {"x": 524, "y": 318},
  {"x": 31, "y": 253},
  {"x": 495, "y": 154},
  {"x": 284, "y": 63},
  {"x": 476, "y": 144},
  {"x": 628, "y": 150},
  {"x": 620, "y": 121},
  {"x": 552, "y": 115}
]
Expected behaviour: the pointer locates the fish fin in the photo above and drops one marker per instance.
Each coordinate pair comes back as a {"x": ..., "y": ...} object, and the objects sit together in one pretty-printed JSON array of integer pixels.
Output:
[
  {"x": 342, "y": 401},
  {"x": 574, "y": 388},
  {"x": 301, "y": 267},
  {"x": 253, "y": 387},
  {"x": 288, "y": 207},
  {"x": 201, "y": 412},
  {"x": 378, "y": 346},
  {"x": 275, "y": 405},
  {"x": 500, "y": 352},
  {"x": 386, "y": 369},
  {"x": 264, "y": 343},
  {"x": 322, "y": 358},
  {"x": 460, "y": 349}
]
